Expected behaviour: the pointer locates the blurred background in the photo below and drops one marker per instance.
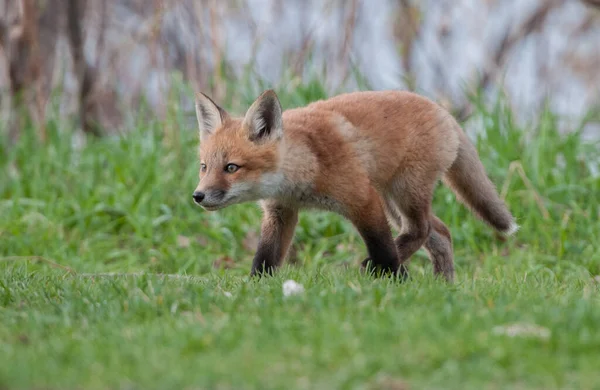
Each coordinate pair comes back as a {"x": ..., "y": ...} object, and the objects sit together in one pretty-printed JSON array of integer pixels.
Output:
[{"x": 97, "y": 61}]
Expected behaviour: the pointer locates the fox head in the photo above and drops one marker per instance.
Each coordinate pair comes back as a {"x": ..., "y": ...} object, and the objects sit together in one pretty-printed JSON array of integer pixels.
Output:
[{"x": 238, "y": 156}]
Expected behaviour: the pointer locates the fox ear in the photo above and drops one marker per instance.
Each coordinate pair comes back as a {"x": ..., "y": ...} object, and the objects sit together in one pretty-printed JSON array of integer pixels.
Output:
[
  {"x": 209, "y": 115},
  {"x": 263, "y": 119}
]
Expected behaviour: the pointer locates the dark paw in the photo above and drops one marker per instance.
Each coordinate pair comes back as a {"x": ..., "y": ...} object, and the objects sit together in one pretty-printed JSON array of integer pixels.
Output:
[
  {"x": 259, "y": 272},
  {"x": 368, "y": 267}
]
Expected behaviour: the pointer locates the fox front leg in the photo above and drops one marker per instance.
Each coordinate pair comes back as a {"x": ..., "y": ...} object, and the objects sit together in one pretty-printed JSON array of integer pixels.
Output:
[{"x": 277, "y": 231}]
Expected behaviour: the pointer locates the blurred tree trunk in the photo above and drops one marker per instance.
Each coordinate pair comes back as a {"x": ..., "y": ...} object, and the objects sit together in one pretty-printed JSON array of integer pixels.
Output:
[
  {"x": 84, "y": 71},
  {"x": 20, "y": 43}
]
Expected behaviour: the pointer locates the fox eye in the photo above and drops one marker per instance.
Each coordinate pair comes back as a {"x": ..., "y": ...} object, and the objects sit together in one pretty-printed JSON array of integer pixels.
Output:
[
  {"x": 231, "y": 168},
  {"x": 203, "y": 167}
]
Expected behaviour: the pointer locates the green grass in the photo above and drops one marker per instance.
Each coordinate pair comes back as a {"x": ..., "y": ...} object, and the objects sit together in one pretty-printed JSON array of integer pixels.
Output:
[{"x": 195, "y": 320}]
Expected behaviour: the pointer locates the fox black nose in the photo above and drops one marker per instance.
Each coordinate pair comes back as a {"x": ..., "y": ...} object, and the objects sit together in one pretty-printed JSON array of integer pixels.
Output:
[{"x": 198, "y": 196}]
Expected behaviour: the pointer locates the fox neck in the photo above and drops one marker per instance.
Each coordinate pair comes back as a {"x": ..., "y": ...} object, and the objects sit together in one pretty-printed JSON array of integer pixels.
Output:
[
  {"x": 294, "y": 174},
  {"x": 273, "y": 184}
]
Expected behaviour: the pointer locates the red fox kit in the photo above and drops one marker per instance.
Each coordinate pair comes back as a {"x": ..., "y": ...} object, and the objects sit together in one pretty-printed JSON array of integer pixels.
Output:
[{"x": 372, "y": 157}]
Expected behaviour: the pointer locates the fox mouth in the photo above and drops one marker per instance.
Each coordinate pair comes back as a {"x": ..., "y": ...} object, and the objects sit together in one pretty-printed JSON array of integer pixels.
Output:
[
  {"x": 217, "y": 206},
  {"x": 213, "y": 207}
]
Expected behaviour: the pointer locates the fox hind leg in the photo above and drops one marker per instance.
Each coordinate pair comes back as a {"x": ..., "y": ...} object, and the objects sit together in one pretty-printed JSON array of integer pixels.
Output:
[
  {"x": 438, "y": 244},
  {"x": 439, "y": 248},
  {"x": 412, "y": 219},
  {"x": 415, "y": 226},
  {"x": 395, "y": 218}
]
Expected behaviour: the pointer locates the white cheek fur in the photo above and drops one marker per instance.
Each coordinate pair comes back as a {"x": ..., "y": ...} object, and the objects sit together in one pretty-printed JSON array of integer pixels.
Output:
[
  {"x": 241, "y": 191},
  {"x": 269, "y": 185}
]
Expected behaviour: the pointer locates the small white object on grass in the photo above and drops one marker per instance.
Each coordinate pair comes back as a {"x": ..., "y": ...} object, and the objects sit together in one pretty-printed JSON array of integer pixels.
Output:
[
  {"x": 522, "y": 330},
  {"x": 290, "y": 287}
]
